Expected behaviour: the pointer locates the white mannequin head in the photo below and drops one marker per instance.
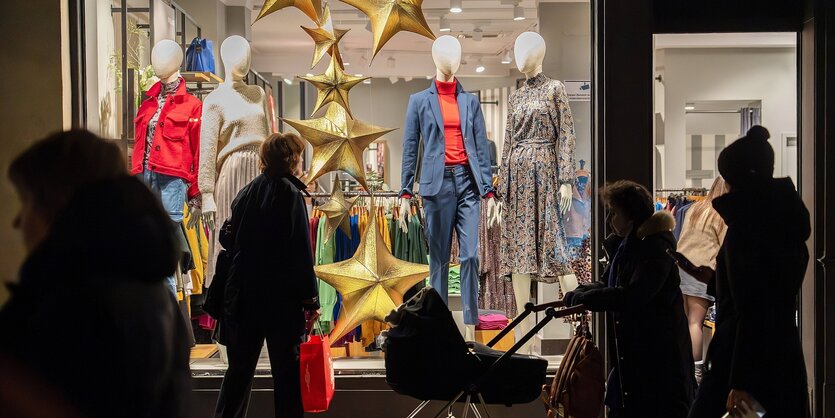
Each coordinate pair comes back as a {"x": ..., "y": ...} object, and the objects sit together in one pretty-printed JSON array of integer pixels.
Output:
[
  {"x": 529, "y": 52},
  {"x": 446, "y": 52},
  {"x": 237, "y": 57},
  {"x": 166, "y": 58}
]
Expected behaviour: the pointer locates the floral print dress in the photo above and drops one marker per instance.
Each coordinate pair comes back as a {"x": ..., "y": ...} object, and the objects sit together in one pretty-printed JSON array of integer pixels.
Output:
[{"x": 538, "y": 158}]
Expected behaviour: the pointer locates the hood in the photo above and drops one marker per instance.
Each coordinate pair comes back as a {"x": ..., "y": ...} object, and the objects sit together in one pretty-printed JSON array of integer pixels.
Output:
[
  {"x": 775, "y": 208},
  {"x": 661, "y": 221},
  {"x": 116, "y": 230}
]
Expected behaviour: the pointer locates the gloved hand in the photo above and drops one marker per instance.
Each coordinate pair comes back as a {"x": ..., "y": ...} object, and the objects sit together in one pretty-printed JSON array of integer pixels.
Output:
[
  {"x": 405, "y": 212},
  {"x": 572, "y": 299}
]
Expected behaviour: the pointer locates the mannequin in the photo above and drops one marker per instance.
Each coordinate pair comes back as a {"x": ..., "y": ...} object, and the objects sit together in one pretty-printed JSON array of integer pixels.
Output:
[
  {"x": 165, "y": 154},
  {"x": 455, "y": 173},
  {"x": 539, "y": 148},
  {"x": 235, "y": 123}
]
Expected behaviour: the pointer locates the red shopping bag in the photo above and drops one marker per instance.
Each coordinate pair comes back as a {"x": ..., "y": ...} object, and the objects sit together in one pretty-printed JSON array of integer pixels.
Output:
[{"x": 317, "y": 379}]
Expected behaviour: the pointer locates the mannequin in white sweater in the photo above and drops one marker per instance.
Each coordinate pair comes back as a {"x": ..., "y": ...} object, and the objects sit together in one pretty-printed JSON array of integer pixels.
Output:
[
  {"x": 234, "y": 115},
  {"x": 235, "y": 123}
]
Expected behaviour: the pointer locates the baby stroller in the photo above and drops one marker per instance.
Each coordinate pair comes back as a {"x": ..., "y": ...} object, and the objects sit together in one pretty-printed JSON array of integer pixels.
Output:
[{"x": 426, "y": 358}]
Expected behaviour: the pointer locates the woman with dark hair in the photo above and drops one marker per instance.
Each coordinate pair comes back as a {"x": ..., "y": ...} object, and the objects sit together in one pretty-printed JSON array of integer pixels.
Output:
[
  {"x": 271, "y": 286},
  {"x": 652, "y": 374},
  {"x": 755, "y": 353},
  {"x": 91, "y": 321}
]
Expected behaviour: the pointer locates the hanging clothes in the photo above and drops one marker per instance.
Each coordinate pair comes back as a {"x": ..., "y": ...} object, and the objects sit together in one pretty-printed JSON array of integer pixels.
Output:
[
  {"x": 198, "y": 242},
  {"x": 494, "y": 291},
  {"x": 324, "y": 254}
]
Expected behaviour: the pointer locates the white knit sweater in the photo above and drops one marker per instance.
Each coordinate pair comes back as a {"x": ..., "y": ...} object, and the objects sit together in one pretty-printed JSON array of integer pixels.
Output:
[{"x": 234, "y": 116}]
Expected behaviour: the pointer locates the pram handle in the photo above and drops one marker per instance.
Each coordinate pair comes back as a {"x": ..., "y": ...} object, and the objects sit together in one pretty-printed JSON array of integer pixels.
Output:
[{"x": 530, "y": 308}]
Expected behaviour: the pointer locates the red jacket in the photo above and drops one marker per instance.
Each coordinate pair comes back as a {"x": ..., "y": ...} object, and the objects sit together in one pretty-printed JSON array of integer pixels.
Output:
[{"x": 176, "y": 142}]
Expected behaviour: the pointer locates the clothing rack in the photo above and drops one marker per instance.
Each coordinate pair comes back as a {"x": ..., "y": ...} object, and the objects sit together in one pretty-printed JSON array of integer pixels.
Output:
[
  {"x": 360, "y": 194},
  {"x": 688, "y": 190}
]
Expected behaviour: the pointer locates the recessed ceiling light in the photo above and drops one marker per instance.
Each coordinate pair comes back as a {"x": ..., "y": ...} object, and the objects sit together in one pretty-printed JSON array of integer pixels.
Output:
[
  {"x": 518, "y": 12},
  {"x": 479, "y": 66},
  {"x": 358, "y": 75},
  {"x": 456, "y": 6},
  {"x": 444, "y": 24},
  {"x": 346, "y": 63},
  {"x": 478, "y": 34},
  {"x": 288, "y": 81},
  {"x": 366, "y": 81},
  {"x": 689, "y": 107},
  {"x": 507, "y": 58},
  {"x": 309, "y": 74}
]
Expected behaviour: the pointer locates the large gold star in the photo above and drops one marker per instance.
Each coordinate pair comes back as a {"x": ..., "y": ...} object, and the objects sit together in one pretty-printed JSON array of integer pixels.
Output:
[
  {"x": 326, "y": 39},
  {"x": 372, "y": 282},
  {"x": 391, "y": 16},
  {"x": 312, "y": 8},
  {"x": 338, "y": 211},
  {"x": 338, "y": 142},
  {"x": 333, "y": 87}
]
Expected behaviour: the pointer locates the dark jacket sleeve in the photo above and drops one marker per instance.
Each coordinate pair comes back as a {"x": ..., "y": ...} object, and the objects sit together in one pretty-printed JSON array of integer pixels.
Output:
[
  {"x": 749, "y": 290},
  {"x": 647, "y": 279},
  {"x": 303, "y": 253}
]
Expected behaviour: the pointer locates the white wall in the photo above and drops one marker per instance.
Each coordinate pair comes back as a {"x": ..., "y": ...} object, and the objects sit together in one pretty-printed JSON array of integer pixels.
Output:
[{"x": 766, "y": 74}]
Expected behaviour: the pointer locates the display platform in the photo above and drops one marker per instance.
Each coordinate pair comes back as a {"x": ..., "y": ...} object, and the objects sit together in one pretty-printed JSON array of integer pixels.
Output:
[{"x": 361, "y": 392}]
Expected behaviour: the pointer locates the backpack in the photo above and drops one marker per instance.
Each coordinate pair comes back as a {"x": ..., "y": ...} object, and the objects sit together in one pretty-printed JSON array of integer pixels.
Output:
[{"x": 578, "y": 388}]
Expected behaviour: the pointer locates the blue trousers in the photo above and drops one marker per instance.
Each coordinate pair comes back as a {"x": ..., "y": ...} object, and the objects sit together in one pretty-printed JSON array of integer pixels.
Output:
[
  {"x": 172, "y": 191},
  {"x": 457, "y": 205}
]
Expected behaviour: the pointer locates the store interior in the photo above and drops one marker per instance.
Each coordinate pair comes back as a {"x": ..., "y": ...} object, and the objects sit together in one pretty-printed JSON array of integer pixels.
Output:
[{"x": 708, "y": 87}]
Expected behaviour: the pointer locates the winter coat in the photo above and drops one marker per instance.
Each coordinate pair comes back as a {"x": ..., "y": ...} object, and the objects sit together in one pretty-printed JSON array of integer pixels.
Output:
[
  {"x": 92, "y": 314},
  {"x": 271, "y": 275},
  {"x": 760, "y": 268},
  {"x": 650, "y": 347},
  {"x": 176, "y": 141}
]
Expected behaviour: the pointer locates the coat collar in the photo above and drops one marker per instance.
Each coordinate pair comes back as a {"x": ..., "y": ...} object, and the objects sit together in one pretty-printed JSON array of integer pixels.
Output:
[
  {"x": 661, "y": 221},
  {"x": 296, "y": 182},
  {"x": 436, "y": 105},
  {"x": 178, "y": 95}
]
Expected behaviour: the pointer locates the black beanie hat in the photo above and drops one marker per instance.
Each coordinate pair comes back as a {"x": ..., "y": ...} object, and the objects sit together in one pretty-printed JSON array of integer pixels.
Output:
[{"x": 748, "y": 160}]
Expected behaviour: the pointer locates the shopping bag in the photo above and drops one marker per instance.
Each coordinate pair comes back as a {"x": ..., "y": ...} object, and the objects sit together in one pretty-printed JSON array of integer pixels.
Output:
[
  {"x": 317, "y": 378},
  {"x": 200, "y": 56}
]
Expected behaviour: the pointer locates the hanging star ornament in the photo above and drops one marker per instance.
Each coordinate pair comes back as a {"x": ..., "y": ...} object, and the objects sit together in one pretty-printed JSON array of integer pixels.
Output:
[
  {"x": 391, "y": 16},
  {"x": 372, "y": 283},
  {"x": 338, "y": 211},
  {"x": 338, "y": 142},
  {"x": 312, "y": 8},
  {"x": 326, "y": 39},
  {"x": 333, "y": 87}
]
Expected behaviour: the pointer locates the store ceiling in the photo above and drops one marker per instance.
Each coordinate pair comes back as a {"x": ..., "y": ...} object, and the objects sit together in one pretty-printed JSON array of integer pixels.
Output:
[{"x": 282, "y": 48}]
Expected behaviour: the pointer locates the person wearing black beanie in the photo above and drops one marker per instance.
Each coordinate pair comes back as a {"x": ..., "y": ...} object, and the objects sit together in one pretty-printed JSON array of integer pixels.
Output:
[{"x": 756, "y": 352}]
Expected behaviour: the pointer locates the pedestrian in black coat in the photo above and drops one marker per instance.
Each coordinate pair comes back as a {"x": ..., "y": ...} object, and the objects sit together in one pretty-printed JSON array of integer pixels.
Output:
[
  {"x": 650, "y": 348},
  {"x": 271, "y": 286},
  {"x": 91, "y": 329},
  {"x": 756, "y": 351}
]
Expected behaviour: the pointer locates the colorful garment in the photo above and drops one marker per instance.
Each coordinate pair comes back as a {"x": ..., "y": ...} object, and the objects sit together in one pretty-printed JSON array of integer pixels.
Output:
[{"x": 538, "y": 157}]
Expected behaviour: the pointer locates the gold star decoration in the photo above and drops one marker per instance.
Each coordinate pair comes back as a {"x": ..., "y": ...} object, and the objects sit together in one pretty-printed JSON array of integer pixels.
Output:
[
  {"x": 372, "y": 283},
  {"x": 338, "y": 142},
  {"x": 312, "y": 8},
  {"x": 338, "y": 211},
  {"x": 333, "y": 87},
  {"x": 326, "y": 39},
  {"x": 391, "y": 16}
]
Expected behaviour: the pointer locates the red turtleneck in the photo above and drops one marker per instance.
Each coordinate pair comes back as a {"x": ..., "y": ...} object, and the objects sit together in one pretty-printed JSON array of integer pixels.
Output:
[{"x": 453, "y": 139}]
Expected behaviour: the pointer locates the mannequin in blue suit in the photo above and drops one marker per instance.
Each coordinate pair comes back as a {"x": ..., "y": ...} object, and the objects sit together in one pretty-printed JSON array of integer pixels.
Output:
[{"x": 451, "y": 191}]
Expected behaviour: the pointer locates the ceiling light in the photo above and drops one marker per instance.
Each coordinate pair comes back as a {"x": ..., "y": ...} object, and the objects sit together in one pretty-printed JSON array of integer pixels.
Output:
[
  {"x": 518, "y": 12},
  {"x": 429, "y": 77},
  {"x": 391, "y": 62},
  {"x": 288, "y": 81},
  {"x": 366, "y": 81},
  {"x": 309, "y": 74},
  {"x": 444, "y": 24},
  {"x": 358, "y": 75},
  {"x": 407, "y": 79},
  {"x": 478, "y": 34},
  {"x": 462, "y": 36},
  {"x": 394, "y": 79},
  {"x": 689, "y": 107},
  {"x": 507, "y": 58},
  {"x": 346, "y": 63},
  {"x": 456, "y": 6},
  {"x": 479, "y": 68}
]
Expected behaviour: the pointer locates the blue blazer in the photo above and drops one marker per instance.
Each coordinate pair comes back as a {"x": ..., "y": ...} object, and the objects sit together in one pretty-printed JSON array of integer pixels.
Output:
[{"x": 424, "y": 120}]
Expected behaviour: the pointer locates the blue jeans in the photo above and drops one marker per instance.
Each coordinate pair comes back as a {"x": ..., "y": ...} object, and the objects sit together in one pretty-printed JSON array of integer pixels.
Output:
[
  {"x": 172, "y": 192},
  {"x": 457, "y": 205}
]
